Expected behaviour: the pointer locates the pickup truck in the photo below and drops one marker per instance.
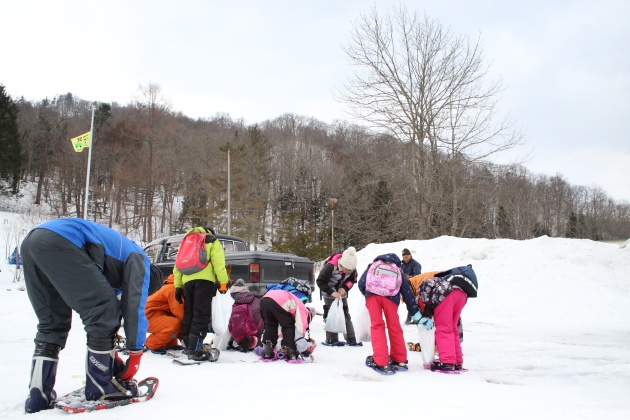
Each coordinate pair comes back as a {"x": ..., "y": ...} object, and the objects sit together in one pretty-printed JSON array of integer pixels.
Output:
[{"x": 256, "y": 268}]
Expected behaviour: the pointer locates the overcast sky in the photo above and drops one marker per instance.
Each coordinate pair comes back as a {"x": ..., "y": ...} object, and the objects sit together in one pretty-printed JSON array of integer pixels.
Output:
[{"x": 565, "y": 64}]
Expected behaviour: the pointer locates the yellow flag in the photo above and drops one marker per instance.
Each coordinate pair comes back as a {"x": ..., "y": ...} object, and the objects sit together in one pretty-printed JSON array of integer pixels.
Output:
[{"x": 81, "y": 141}]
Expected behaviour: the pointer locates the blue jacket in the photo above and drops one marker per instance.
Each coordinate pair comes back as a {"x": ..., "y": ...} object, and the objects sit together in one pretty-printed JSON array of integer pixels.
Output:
[
  {"x": 405, "y": 287},
  {"x": 412, "y": 268},
  {"x": 123, "y": 263}
]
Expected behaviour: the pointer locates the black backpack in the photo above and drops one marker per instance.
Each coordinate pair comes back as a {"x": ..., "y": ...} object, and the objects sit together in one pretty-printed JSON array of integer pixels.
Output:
[{"x": 463, "y": 277}]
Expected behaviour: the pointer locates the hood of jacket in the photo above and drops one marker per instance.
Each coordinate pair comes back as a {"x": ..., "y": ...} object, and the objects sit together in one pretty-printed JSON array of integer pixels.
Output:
[{"x": 391, "y": 258}]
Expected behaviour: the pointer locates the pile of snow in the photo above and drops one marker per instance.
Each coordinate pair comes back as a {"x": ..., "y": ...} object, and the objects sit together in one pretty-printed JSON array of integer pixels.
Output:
[{"x": 547, "y": 338}]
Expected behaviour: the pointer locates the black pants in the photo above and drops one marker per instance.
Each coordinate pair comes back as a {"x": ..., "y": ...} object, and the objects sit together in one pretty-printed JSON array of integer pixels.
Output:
[
  {"x": 198, "y": 296},
  {"x": 61, "y": 278},
  {"x": 274, "y": 317}
]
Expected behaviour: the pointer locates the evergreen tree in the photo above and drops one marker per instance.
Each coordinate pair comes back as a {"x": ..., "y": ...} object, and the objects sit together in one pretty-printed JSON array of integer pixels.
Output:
[
  {"x": 503, "y": 223},
  {"x": 572, "y": 228},
  {"x": 11, "y": 156}
]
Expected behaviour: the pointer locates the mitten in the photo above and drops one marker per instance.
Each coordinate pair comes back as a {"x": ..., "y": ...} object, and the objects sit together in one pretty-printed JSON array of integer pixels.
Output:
[
  {"x": 417, "y": 316},
  {"x": 131, "y": 365},
  {"x": 223, "y": 288},
  {"x": 179, "y": 294},
  {"x": 427, "y": 323}
]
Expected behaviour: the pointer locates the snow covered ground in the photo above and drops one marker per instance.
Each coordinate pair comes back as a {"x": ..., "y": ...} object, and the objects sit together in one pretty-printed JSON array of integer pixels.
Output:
[{"x": 548, "y": 338}]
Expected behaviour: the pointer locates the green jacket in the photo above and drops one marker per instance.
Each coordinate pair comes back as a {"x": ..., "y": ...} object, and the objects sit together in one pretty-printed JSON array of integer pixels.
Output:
[{"x": 214, "y": 271}]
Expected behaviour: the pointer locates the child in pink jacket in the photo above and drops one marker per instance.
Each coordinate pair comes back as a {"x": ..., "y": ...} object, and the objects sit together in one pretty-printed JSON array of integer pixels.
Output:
[{"x": 282, "y": 309}]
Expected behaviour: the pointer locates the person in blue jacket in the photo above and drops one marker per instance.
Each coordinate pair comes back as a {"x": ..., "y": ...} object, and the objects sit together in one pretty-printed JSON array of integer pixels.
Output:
[
  {"x": 410, "y": 268},
  {"x": 75, "y": 264}
]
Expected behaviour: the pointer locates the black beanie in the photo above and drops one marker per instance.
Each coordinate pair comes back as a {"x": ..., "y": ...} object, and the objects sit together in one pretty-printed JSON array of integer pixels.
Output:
[{"x": 406, "y": 252}]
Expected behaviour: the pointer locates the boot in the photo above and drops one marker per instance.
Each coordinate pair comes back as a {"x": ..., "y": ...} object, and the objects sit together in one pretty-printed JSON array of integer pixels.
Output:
[
  {"x": 268, "y": 352},
  {"x": 43, "y": 373},
  {"x": 442, "y": 367},
  {"x": 195, "y": 349},
  {"x": 100, "y": 383},
  {"x": 245, "y": 344},
  {"x": 291, "y": 354}
]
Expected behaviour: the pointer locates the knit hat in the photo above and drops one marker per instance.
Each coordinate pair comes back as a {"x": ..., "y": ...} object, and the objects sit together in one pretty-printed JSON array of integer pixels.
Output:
[
  {"x": 406, "y": 252},
  {"x": 348, "y": 259},
  {"x": 311, "y": 313},
  {"x": 239, "y": 287}
]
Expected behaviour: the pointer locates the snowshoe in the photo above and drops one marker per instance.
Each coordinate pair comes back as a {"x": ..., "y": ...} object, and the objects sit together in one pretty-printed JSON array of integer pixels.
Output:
[
  {"x": 444, "y": 368},
  {"x": 399, "y": 366},
  {"x": 292, "y": 357},
  {"x": 334, "y": 343},
  {"x": 354, "y": 343},
  {"x": 384, "y": 370}
]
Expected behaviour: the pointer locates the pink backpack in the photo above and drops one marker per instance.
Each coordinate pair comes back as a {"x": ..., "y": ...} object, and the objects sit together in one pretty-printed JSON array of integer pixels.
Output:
[
  {"x": 242, "y": 322},
  {"x": 383, "y": 278}
]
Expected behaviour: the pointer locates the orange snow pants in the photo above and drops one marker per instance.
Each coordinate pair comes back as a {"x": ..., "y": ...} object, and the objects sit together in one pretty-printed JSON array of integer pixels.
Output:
[{"x": 165, "y": 331}]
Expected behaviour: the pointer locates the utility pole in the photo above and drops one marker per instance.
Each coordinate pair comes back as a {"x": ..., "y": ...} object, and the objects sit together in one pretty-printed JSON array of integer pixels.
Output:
[
  {"x": 332, "y": 225},
  {"x": 229, "y": 216}
]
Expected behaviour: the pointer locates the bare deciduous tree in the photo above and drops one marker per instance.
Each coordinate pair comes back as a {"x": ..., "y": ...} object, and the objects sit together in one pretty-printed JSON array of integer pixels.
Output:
[{"x": 427, "y": 88}]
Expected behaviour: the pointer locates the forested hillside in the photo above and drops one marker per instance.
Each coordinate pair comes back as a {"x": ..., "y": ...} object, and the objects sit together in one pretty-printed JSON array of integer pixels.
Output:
[{"x": 158, "y": 172}]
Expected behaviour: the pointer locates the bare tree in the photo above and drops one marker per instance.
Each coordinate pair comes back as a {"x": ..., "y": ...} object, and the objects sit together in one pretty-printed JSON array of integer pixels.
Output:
[
  {"x": 152, "y": 109},
  {"x": 427, "y": 88}
]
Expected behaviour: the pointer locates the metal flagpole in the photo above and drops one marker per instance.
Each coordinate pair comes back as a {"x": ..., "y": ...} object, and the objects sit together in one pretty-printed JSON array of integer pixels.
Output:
[
  {"x": 229, "y": 216},
  {"x": 87, "y": 178}
]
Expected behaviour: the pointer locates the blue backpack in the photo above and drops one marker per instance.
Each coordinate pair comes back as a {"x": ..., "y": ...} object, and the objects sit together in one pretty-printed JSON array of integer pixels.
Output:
[
  {"x": 300, "y": 288},
  {"x": 463, "y": 277}
]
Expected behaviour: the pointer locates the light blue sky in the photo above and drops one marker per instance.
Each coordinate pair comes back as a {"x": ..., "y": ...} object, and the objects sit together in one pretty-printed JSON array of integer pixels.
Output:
[{"x": 565, "y": 64}]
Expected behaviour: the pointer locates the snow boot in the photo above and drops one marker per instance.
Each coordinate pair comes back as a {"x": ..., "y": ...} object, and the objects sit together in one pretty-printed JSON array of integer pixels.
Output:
[
  {"x": 43, "y": 373},
  {"x": 100, "y": 383},
  {"x": 354, "y": 343},
  {"x": 268, "y": 352},
  {"x": 291, "y": 354},
  {"x": 176, "y": 347},
  {"x": 399, "y": 366},
  {"x": 195, "y": 349},
  {"x": 384, "y": 370},
  {"x": 443, "y": 367}
]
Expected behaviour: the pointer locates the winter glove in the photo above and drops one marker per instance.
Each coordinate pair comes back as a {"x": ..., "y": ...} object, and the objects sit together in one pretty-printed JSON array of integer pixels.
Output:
[
  {"x": 179, "y": 294},
  {"x": 417, "y": 316},
  {"x": 223, "y": 288},
  {"x": 131, "y": 365},
  {"x": 427, "y": 323},
  {"x": 310, "y": 349}
]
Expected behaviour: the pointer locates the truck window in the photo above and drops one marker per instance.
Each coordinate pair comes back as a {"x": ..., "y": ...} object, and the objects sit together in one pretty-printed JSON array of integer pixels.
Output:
[
  {"x": 228, "y": 246},
  {"x": 232, "y": 246},
  {"x": 171, "y": 252},
  {"x": 153, "y": 252}
]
